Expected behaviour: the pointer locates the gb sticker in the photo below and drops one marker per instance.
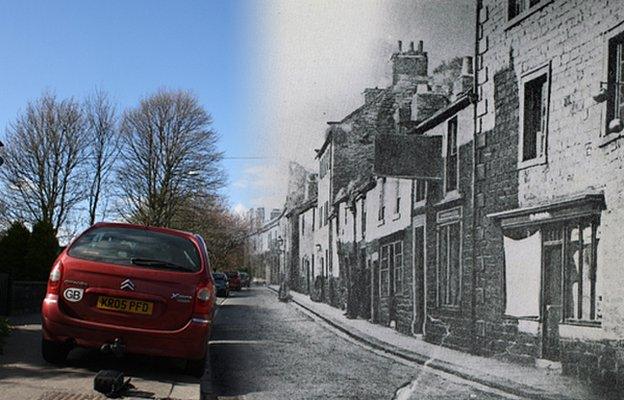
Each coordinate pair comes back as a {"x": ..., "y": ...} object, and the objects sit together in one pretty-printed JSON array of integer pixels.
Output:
[{"x": 73, "y": 294}]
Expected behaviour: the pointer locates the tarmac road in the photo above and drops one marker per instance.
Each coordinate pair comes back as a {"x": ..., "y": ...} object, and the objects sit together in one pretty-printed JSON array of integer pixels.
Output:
[{"x": 264, "y": 349}]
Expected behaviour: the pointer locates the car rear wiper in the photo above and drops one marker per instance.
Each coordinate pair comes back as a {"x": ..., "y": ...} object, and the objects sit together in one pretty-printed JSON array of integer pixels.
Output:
[{"x": 147, "y": 262}]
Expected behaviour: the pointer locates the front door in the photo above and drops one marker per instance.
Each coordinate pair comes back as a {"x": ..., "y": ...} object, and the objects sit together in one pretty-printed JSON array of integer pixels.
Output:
[{"x": 552, "y": 295}]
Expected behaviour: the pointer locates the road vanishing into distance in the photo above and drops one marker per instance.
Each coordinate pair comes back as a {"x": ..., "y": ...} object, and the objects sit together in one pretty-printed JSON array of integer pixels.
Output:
[
  {"x": 265, "y": 349},
  {"x": 260, "y": 349}
]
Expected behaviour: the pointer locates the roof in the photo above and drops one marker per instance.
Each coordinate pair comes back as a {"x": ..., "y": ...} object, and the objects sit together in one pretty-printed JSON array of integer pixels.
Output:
[{"x": 445, "y": 113}]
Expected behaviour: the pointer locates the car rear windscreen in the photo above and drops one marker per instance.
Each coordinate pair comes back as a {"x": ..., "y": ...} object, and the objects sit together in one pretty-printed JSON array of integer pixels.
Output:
[{"x": 137, "y": 247}]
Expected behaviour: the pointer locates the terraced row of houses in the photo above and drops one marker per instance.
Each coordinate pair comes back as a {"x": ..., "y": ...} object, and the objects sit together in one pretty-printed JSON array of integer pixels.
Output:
[{"x": 486, "y": 214}]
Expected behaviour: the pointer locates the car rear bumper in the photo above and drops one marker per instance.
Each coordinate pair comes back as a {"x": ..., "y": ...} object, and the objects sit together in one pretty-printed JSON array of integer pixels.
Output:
[{"x": 189, "y": 342}]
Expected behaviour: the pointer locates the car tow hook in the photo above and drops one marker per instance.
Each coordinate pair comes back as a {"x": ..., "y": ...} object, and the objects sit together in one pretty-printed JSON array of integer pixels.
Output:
[{"x": 117, "y": 348}]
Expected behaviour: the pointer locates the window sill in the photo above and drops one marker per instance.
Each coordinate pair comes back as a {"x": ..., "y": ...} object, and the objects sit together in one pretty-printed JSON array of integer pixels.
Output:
[
  {"x": 612, "y": 137},
  {"x": 381, "y": 222},
  {"x": 589, "y": 324},
  {"x": 534, "y": 162},
  {"x": 526, "y": 14},
  {"x": 396, "y": 216}
]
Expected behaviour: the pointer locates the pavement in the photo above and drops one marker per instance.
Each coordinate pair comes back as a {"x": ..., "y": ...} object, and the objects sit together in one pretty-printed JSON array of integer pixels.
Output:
[
  {"x": 25, "y": 375},
  {"x": 523, "y": 381}
]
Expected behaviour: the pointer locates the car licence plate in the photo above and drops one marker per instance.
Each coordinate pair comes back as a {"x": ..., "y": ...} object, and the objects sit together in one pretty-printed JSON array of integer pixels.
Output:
[{"x": 125, "y": 305}]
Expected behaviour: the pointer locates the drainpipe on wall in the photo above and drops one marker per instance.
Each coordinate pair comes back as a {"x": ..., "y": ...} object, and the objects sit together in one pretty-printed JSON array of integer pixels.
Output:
[{"x": 473, "y": 314}]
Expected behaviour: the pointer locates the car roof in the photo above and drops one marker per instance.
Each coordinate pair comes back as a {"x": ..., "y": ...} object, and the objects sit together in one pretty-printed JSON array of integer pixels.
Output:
[{"x": 170, "y": 231}]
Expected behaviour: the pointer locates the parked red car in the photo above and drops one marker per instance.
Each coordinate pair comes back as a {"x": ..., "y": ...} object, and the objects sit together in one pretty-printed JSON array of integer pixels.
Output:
[
  {"x": 234, "y": 281},
  {"x": 129, "y": 288}
]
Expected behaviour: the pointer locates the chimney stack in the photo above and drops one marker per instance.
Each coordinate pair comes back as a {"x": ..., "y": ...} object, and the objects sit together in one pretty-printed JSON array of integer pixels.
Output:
[
  {"x": 409, "y": 66},
  {"x": 466, "y": 66},
  {"x": 464, "y": 82}
]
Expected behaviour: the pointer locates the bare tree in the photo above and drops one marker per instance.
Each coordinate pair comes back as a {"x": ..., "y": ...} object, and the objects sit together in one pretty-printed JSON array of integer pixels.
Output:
[
  {"x": 45, "y": 146},
  {"x": 103, "y": 138},
  {"x": 224, "y": 231},
  {"x": 169, "y": 152}
]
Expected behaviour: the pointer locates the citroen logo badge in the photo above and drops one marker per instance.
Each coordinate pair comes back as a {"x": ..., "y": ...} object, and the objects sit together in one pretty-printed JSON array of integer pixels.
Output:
[{"x": 127, "y": 285}]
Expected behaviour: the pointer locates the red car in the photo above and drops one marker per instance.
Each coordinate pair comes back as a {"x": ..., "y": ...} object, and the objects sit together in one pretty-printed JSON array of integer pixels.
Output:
[
  {"x": 234, "y": 280},
  {"x": 128, "y": 288}
]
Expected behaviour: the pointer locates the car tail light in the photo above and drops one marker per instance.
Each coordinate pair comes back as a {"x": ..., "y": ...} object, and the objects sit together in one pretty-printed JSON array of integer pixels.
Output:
[
  {"x": 204, "y": 300},
  {"x": 54, "y": 281}
]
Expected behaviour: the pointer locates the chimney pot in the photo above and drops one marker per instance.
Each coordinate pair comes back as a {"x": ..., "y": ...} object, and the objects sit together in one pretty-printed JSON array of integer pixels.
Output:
[
  {"x": 420, "y": 46},
  {"x": 411, "y": 46},
  {"x": 400, "y": 46},
  {"x": 467, "y": 66}
]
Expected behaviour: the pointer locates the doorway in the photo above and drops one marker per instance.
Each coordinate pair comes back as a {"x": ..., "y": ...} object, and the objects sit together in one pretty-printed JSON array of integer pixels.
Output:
[
  {"x": 419, "y": 279},
  {"x": 552, "y": 268}
]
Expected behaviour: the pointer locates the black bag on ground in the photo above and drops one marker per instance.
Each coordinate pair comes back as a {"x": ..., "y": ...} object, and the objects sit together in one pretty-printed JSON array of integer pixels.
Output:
[{"x": 110, "y": 382}]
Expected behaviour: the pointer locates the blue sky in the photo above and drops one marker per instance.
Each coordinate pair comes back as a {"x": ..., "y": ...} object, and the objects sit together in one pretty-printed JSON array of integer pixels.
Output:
[{"x": 130, "y": 49}]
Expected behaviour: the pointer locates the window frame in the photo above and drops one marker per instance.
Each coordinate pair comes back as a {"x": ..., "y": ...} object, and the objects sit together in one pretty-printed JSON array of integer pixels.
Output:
[
  {"x": 526, "y": 79},
  {"x": 513, "y": 20},
  {"x": 417, "y": 200},
  {"x": 451, "y": 151},
  {"x": 593, "y": 223},
  {"x": 608, "y": 35},
  {"x": 444, "y": 225}
]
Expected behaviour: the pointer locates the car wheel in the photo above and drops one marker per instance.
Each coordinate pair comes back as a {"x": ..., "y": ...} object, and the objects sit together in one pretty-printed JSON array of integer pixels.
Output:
[
  {"x": 54, "y": 352},
  {"x": 196, "y": 367}
]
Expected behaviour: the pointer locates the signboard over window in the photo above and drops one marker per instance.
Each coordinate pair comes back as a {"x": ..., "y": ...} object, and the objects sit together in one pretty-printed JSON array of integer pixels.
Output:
[{"x": 409, "y": 156}]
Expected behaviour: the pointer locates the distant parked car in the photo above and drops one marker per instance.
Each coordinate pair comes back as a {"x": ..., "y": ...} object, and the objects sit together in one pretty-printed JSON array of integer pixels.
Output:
[
  {"x": 127, "y": 288},
  {"x": 245, "y": 279},
  {"x": 221, "y": 284},
  {"x": 234, "y": 280}
]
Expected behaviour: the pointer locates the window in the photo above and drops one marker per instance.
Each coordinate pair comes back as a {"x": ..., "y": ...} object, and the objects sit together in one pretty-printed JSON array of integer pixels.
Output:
[
  {"x": 535, "y": 110},
  {"x": 579, "y": 300},
  {"x": 303, "y": 225},
  {"x": 451, "y": 155},
  {"x": 517, "y": 7},
  {"x": 313, "y": 218},
  {"x": 534, "y": 96},
  {"x": 420, "y": 192},
  {"x": 382, "y": 197},
  {"x": 384, "y": 272},
  {"x": 615, "y": 80},
  {"x": 398, "y": 267},
  {"x": 449, "y": 265},
  {"x": 391, "y": 262},
  {"x": 397, "y": 196}
]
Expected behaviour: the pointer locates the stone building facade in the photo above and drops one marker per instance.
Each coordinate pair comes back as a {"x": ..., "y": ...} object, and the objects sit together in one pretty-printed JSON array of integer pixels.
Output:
[{"x": 549, "y": 184}]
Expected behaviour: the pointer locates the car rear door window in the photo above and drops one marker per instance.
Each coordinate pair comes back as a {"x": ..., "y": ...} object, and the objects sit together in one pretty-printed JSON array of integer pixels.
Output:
[{"x": 137, "y": 247}]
